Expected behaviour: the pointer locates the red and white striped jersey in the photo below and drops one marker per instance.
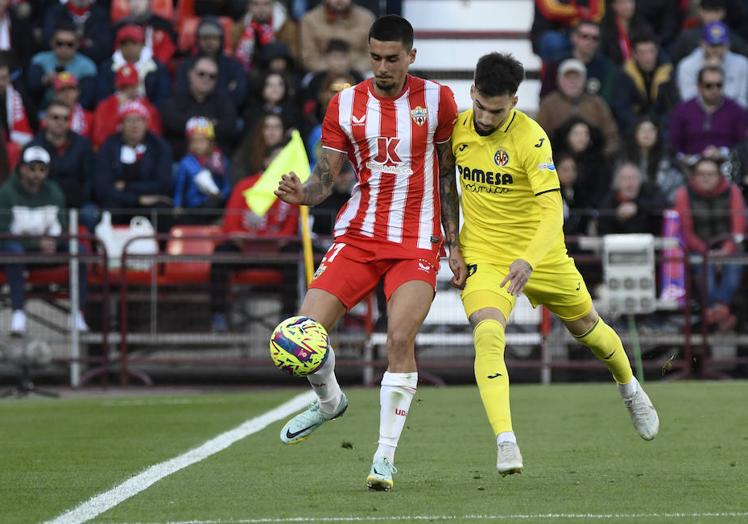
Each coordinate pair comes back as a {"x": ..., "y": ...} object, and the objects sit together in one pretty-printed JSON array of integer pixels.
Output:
[{"x": 391, "y": 142}]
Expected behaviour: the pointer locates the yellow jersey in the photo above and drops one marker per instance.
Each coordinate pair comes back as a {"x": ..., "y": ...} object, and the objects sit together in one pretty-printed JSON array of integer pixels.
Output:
[{"x": 500, "y": 176}]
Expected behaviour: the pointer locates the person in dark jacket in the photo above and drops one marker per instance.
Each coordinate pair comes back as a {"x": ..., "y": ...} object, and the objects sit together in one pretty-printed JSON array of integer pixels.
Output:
[
  {"x": 201, "y": 99},
  {"x": 712, "y": 214},
  {"x": 91, "y": 21},
  {"x": 33, "y": 207},
  {"x": 20, "y": 40},
  {"x": 632, "y": 206},
  {"x": 620, "y": 22},
  {"x": 133, "y": 167},
  {"x": 232, "y": 80}
]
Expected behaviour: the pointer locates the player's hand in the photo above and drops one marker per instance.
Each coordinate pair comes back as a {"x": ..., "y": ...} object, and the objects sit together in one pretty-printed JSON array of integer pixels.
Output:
[
  {"x": 290, "y": 189},
  {"x": 519, "y": 273},
  {"x": 458, "y": 267}
]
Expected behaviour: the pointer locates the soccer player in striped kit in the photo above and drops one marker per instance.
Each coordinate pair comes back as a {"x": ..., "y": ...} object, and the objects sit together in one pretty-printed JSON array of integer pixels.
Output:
[{"x": 394, "y": 128}]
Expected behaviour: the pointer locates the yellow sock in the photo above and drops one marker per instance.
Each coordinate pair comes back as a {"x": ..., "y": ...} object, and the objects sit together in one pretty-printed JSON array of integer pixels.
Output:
[
  {"x": 606, "y": 345},
  {"x": 491, "y": 374}
]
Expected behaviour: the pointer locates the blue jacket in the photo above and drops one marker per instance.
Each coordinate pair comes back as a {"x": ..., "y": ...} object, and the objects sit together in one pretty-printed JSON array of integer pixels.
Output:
[
  {"x": 154, "y": 177},
  {"x": 186, "y": 193}
]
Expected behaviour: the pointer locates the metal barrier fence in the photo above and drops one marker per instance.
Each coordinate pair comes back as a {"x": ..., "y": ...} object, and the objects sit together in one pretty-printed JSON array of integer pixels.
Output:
[{"x": 154, "y": 309}]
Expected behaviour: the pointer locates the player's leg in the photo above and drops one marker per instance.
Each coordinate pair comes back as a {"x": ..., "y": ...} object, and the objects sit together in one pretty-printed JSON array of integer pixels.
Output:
[
  {"x": 339, "y": 284},
  {"x": 606, "y": 345},
  {"x": 487, "y": 306}
]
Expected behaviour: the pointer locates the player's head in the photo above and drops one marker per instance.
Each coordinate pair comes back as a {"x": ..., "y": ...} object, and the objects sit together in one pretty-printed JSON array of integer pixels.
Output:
[
  {"x": 391, "y": 51},
  {"x": 494, "y": 90}
]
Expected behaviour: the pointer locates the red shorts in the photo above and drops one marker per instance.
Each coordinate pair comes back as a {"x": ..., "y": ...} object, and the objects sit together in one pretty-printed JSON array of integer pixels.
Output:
[{"x": 351, "y": 273}]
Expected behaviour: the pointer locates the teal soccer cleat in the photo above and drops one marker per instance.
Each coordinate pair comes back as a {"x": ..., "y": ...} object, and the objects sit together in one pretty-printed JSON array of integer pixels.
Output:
[
  {"x": 380, "y": 476},
  {"x": 302, "y": 425}
]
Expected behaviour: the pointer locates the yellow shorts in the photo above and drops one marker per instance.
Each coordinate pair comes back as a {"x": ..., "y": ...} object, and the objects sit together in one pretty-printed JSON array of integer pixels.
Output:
[{"x": 556, "y": 285}]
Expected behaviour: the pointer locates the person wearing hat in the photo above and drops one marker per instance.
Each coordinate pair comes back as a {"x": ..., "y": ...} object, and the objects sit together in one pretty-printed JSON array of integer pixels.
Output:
[
  {"x": 153, "y": 79},
  {"x": 126, "y": 82},
  {"x": 715, "y": 50},
  {"x": 161, "y": 39},
  {"x": 64, "y": 56},
  {"x": 202, "y": 177},
  {"x": 91, "y": 20},
  {"x": 571, "y": 99},
  {"x": 708, "y": 11},
  {"x": 133, "y": 168},
  {"x": 67, "y": 91},
  {"x": 32, "y": 209},
  {"x": 210, "y": 42}
]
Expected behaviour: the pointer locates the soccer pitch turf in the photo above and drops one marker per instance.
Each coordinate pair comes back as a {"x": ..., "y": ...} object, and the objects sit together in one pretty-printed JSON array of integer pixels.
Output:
[{"x": 583, "y": 460}]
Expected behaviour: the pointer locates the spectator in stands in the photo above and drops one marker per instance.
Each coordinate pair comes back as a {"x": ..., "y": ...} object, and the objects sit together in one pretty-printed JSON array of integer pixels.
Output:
[
  {"x": 32, "y": 205},
  {"x": 553, "y": 21},
  {"x": 645, "y": 87},
  {"x": 619, "y": 23},
  {"x": 586, "y": 145},
  {"x": 601, "y": 73},
  {"x": 714, "y": 51},
  {"x": 570, "y": 99},
  {"x": 152, "y": 75},
  {"x": 341, "y": 20},
  {"x": 632, "y": 206},
  {"x": 337, "y": 63},
  {"x": 16, "y": 22},
  {"x": 67, "y": 92},
  {"x": 646, "y": 148},
  {"x": 281, "y": 221},
  {"x": 71, "y": 160},
  {"x": 738, "y": 167},
  {"x": 265, "y": 22},
  {"x": 127, "y": 84},
  {"x": 232, "y": 80},
  {"x": 688, "y": 40},
  {"x": 64, "y": 56},
  {"x": 91, "y": 21},
  {"x": 664, "y": 18},
  {"x": 712, "y": 214},
  {"x": 576, "y": 215},
  {"x": 275, "y": 96},
  {"x": 269, "y": 132},
  {"x": 331, "y": 84},
  {"x": 201, "y": 99},
  {"x": 708, "y": 124},
  {"x": 161, "y": 40},
  {"x": 14, "y": 119},
  {"x": 133, "y": 167},
  {"x": 202, "y": 177},
  {"x": 275, "y": 58}
]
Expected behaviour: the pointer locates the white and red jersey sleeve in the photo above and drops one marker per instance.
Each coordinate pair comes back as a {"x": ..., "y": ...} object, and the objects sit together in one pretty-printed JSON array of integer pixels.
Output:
[{"x": 391, "y": 142}]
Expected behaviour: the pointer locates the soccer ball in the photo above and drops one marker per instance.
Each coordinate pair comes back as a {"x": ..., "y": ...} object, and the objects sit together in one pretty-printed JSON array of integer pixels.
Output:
[{"x": 299, "y": 346}]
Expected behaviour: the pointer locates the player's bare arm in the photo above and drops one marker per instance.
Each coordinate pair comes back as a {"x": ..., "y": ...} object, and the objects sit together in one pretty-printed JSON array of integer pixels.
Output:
[
  {"x": 450, "y": 209},
  {"x": 320, "y": 183}
]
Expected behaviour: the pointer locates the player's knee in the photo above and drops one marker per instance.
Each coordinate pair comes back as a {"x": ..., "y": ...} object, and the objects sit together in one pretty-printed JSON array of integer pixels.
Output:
[{"x": 399, "y": 341}]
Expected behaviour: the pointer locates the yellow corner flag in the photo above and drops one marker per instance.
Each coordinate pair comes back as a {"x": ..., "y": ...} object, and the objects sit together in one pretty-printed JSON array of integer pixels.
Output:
[{"x": 261, "y": 197}]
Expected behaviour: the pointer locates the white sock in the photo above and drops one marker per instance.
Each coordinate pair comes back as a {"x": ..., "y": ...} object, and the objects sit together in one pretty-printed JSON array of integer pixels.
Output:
[
  {"x": 629, "y": 389},
  {"x": 506, "y": 436},
  {"x": 395, "y": 396},
  {"x": 325, "y": 385}
]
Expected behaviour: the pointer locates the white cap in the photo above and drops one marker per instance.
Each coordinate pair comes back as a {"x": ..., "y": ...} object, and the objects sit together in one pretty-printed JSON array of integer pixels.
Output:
[
  {"x": 36, "y": 154},
  {"x": 572, "y": 64}
]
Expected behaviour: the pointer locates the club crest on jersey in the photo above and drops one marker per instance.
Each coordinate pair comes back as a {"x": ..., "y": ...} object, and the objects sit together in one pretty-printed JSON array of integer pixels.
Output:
[
  {"x": 501, "y": 158},
  {"x": 419, "y": 115}
]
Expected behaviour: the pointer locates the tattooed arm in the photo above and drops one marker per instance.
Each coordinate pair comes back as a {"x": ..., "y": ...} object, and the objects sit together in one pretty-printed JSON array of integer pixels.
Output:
[
  {"x": 450, "y": 208},
  {"x": 318, "y": 187}
]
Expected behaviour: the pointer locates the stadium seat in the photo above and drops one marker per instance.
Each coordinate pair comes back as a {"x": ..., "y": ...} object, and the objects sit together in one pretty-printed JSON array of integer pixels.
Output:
[
  {"x": 190, "y": 240},
  {"x": 257, "y": 277},
  {"x": 189, "y": 28},
  {"x": 163, "y": 8}
]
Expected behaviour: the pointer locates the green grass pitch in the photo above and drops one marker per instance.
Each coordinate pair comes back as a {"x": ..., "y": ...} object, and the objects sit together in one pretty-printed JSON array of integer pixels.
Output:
[{"x": 581, "y": 454}]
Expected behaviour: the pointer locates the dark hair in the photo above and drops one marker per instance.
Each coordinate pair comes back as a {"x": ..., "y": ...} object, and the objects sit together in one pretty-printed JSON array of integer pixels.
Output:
[
  {"x": 392, "y": 28},
  {"x": 336, "y": 45},
  {"x": 585, "y": 21},
  {"x": 65, "y": 25},
  {"x": 713, "y": 5},
  {"x": 498, "y": 74},
  {"x": 710, "y": 69},
  {"x": 642, "y": 36},
  {"x": 703, "y": 159},
  {"x": 631, "y": 151}
]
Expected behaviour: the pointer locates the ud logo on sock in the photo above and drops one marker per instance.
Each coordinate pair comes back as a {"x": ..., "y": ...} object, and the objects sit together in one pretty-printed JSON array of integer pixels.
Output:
[{"x": 401, "y": 412}]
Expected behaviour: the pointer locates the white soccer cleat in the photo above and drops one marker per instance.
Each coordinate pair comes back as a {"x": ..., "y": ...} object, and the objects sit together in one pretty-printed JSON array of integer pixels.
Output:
[
  {"x": 509, "y": 460},
  {"x": 17, "y": 322},
  {"x": 302, "y": 425},
  {"x": 643, "y": 414},
  {"x": 380, "y": 476}
]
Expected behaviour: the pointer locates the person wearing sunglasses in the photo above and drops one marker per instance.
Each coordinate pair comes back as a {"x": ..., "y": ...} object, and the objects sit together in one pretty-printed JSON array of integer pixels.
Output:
[
  {"x": 63, "y": 56},
  {"x": 201, "y": 99}
]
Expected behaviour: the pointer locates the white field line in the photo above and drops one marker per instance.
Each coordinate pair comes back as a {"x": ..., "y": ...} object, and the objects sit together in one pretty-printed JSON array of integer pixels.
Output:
[
  {"x": 97, "y": 505},
  {"x": 437, "y": 518}
]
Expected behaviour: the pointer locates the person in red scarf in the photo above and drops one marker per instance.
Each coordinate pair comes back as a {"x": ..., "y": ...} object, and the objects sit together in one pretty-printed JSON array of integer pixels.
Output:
[
  {"x": 160, "y": 38},
  {"x": 265, "y": 21},
  {"x": 712, "y": 214},
  {"x": 281, "y": 221},
  {"x": 126, "y": 82},
  {"x": 66, "y": 91},
  {"x": 618, "y": 26}
]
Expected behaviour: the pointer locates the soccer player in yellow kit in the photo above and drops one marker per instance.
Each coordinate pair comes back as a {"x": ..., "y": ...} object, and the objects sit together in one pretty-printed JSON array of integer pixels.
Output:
[{"x": 512, "y": 242}]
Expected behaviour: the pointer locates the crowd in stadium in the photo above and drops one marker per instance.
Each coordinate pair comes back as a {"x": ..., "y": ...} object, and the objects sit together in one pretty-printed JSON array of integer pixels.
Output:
[{"x": 178, "y": 106}]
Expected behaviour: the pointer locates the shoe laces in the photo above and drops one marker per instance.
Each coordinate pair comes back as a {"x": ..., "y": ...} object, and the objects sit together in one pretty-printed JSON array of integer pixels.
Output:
[
  {"x": 385, "y": 462},
  {"x": 638, "y": 404}
]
